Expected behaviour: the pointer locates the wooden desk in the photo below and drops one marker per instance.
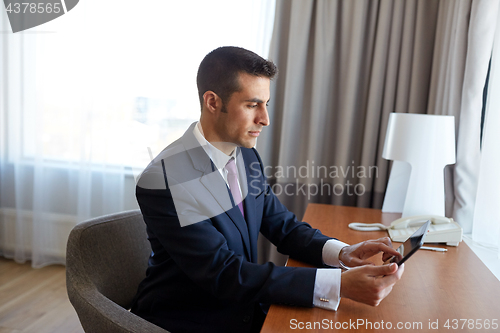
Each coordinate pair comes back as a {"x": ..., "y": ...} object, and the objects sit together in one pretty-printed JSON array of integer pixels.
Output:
[{"x": 436, "y": 288}]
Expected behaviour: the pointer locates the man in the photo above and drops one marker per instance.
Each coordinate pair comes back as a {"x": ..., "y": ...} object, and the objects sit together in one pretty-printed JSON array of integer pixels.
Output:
[{"x": 205, "y": 199}]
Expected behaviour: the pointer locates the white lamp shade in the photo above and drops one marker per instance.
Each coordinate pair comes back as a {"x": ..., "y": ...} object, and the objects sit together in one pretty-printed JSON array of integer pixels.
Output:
[{"x": 421, "y": 146}]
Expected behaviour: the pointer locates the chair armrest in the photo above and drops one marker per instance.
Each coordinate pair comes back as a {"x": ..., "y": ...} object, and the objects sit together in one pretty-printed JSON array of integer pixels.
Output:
[{"x": 97, "y": 313}]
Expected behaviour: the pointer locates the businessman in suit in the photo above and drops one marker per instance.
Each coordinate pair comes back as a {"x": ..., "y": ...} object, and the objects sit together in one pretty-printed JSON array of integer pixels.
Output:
[{"x": 205, "y": 200}]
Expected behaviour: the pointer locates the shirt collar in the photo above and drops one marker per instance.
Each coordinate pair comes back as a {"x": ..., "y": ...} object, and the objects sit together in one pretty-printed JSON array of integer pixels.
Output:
[{"x": 218, "y": 157}]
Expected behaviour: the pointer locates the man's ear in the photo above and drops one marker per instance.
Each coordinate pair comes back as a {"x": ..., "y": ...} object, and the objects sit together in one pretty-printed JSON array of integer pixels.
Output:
[{"x": 211, "y": 101}]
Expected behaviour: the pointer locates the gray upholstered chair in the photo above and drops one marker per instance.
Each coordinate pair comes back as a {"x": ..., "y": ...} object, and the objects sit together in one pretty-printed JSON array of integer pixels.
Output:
[{"x": 105, "y": 261}]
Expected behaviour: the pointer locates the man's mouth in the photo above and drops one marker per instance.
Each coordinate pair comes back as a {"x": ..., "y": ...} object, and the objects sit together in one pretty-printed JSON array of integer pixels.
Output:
[{"x": 254, "y": 133}]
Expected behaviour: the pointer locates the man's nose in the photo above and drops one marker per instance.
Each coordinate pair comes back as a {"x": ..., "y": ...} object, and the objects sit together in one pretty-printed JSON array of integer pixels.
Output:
[{"x": 263, "y": 117}]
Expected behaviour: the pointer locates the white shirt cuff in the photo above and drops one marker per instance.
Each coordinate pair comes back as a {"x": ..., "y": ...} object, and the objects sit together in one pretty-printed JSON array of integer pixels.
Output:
[
  {"x": 327, "y": 288},
  {"x": 331, "y": 251}
]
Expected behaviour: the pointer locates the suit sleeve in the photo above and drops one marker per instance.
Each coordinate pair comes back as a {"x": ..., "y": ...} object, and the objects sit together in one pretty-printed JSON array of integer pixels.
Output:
[{"x": 201, "y": 252}]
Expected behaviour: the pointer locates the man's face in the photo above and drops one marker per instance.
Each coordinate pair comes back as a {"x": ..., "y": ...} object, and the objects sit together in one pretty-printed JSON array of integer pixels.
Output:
[{"x": 246, "y": 112}]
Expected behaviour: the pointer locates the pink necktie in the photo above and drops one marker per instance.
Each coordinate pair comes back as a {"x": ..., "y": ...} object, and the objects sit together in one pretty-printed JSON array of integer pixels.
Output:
[{"x": 232, "y": 179}]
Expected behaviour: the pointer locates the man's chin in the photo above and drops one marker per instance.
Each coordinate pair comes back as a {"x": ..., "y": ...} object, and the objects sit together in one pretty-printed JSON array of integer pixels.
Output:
[{"x": 249, "y": 144}]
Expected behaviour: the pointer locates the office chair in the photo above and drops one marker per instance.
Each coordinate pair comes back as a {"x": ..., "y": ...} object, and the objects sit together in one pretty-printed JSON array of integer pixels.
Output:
[{"x": 106, "y": 259}]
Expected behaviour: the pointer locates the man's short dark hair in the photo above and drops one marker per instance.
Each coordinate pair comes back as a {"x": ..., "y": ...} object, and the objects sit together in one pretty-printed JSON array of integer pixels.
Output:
[{"x": 219, "y": 70}]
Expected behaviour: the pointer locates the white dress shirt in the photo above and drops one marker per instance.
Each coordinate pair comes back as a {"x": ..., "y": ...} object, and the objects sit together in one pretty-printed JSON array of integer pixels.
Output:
[
  {"x": 327, "y": 283},
  {"x": 219, "y": 158}
]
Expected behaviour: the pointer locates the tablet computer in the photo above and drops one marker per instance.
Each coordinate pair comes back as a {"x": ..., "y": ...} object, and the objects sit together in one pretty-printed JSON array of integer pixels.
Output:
[{"x": 411, "y": 245}]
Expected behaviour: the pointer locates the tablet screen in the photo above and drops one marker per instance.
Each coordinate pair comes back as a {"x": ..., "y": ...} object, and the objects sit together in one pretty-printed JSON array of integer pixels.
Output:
[{"x": 412, "y": 244}]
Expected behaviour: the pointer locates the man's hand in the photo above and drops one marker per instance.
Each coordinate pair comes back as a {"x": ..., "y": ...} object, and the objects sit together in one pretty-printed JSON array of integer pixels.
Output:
[
  {"x": 357, "y": 254},
  {"x": 370, "y": 284}
]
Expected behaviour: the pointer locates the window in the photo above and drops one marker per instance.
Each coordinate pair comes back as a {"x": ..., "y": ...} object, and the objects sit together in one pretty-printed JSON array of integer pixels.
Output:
[{"x": 111, "y": 79}]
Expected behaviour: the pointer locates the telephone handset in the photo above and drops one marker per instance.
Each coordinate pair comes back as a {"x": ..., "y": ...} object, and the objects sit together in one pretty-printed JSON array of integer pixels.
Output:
[
  {"x": 442, "y": 229},
  {"x": 419, "y": 220}
]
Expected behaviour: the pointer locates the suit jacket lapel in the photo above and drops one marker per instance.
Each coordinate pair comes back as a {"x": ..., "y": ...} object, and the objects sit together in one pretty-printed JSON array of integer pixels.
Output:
[
  {"x": 215, "y": 184},
  {"x": 249, "y": 204}
]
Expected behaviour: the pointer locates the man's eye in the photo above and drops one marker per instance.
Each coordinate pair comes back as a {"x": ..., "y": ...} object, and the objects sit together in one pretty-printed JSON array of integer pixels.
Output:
[{"x": 253, "y": 106}]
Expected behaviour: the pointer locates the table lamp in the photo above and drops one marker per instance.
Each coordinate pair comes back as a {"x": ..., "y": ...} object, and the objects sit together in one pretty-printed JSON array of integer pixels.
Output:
[{"x": 420, "y": 145}]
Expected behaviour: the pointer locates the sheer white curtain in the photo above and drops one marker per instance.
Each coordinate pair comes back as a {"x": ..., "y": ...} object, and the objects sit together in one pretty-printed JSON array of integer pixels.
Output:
[
  {"x": 86, "y": 98},
  {"x": 468, "y": 37},
  {"x": 486, "y": 218}
]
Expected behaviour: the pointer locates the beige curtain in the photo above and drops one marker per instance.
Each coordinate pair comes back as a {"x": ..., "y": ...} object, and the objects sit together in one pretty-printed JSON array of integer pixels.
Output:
[{"x": 344, "y": 66}]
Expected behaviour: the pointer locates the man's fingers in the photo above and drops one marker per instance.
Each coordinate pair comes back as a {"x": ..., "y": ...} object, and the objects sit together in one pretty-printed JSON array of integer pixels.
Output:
[
  {"x": 391, "y": 278},
  {"x": 388, "y": 256},
  {"x": 370, "y": 284},
  {"x": 389, "y": 250},
  {"x": 372, "y": 248},
  {"x": 359, "y": 262},
  {"x": 400, "y": 271},
  {"x": 356, "y": 255},
  {"x": 380, "y": 245},
  {"x": 386, "y": 241},
  {"x": 382, "y": 270}
]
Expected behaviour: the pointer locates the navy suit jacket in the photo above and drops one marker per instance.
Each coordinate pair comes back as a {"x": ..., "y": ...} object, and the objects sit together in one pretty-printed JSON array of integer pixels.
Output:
[{"x": 203, "y": 274}]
